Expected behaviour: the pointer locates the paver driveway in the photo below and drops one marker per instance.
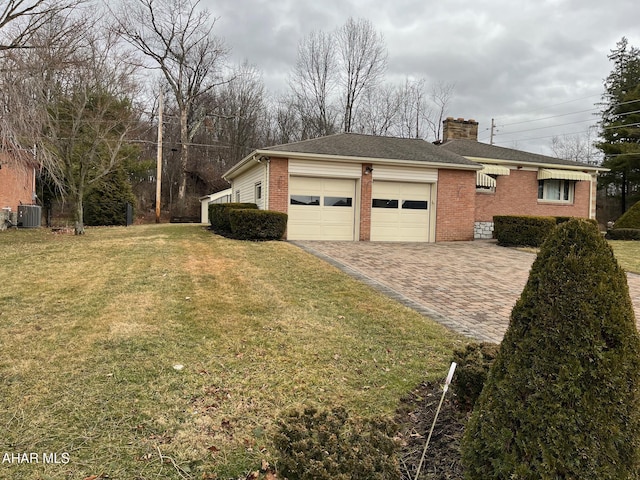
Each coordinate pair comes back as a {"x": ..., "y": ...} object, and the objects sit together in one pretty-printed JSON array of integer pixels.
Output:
[{"x": 470, "y": 287}]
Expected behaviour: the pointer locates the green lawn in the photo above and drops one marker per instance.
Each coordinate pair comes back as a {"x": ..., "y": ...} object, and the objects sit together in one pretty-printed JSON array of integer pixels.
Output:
[
  {"x": 94, "y": 329},
  {"x": 628, "y": 254}
]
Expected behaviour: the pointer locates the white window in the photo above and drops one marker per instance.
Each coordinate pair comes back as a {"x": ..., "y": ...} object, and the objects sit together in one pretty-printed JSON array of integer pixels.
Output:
[
  {"x": 554, "y": 190},
  {"x": 258, "y": 191},
  {"x": 237, "y": 196}
]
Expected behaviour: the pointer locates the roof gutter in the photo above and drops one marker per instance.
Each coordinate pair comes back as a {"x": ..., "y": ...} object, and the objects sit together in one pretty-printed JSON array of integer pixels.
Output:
[
  {"x": 556, "y": 166},
  {"x": 340, "y": 158},
  {"x": 258, "y": 156}
]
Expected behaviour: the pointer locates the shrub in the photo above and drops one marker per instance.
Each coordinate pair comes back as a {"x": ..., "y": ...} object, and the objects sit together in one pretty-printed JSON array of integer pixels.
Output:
[
  {"x": 473, "y": 362},
  {"x": 562, "y": 399},
  {"x": 630, "y": 219},
  {"x": 219, "y": 215},
  {"x": 318, "y": 444},
  {"x": 257, "y": 224},
  {"x": 522, "y": 231},
  {"x": 624, "y": 234},
  {"x": 106, "y": 204}
]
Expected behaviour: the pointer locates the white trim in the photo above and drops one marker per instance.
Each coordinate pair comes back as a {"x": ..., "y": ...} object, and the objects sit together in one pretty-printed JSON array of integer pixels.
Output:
[
  {"x": 497, "y": 161},
  {"x": 404, "y": 174},
  {"x": 319, "y": 169}
]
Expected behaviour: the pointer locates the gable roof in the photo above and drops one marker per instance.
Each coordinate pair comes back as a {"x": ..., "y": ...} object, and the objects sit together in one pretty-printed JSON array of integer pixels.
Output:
[
  {"x": 478, "y": 151},
  {"x": 373, "y": 147},
  {"x": 359, "y": 147}
]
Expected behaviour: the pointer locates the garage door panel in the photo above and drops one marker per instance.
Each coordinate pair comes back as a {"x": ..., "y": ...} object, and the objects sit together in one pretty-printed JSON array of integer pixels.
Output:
[
  {"x": 330, "y": 212},
  {"x": 400, "y": 211}
]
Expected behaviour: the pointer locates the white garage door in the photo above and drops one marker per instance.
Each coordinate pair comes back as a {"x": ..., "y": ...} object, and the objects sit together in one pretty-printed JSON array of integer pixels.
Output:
[
  {"x": 321, "y": 209},
  {"x": 400, "y": 211}
]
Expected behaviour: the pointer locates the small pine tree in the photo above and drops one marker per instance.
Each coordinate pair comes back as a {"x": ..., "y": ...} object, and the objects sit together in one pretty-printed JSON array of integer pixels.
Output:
[{"x": 562, "y": 399}]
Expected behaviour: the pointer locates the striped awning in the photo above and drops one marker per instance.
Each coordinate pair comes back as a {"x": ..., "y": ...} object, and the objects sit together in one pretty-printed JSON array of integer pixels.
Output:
[
  {"x": 495, "y": 170},
  {"x": 549, "y": 173},
  {"x": 484, "y": 180}
]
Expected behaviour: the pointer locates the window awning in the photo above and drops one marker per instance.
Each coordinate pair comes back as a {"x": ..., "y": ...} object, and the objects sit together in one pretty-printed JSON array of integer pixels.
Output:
[
  {"x": 495, "y": 170},
  {"x": 484, "y": 180},
  {"x": 548, "y": 173}
]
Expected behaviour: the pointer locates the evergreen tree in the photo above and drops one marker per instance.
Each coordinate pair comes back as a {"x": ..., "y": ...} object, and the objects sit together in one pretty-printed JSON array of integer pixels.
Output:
[
  {"x": 620, "y": 124},
  {"x": 106, "y": 204},
  {"x": 562, "y": 399}
]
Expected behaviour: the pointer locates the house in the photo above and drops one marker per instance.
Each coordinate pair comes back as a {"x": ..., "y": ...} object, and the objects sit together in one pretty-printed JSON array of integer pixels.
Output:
[
  {"x": 17, "y": 184},
  {"x": 362, "y": 187},
  {"x": 514, "y": 182}
]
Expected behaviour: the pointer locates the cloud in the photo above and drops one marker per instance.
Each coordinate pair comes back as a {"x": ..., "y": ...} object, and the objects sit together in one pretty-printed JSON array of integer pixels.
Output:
[{"x": 512, "y": 61}]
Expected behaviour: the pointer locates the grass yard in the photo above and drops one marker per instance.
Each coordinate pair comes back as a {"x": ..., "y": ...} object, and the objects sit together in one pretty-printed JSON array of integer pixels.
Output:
[
  {"x": 94, "y": 329},
  {"x": 628, "y": 254}
]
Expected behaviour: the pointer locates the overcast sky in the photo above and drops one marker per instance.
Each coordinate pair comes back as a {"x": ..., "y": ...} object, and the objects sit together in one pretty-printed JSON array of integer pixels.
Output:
[{"x": 511, "y": 60}]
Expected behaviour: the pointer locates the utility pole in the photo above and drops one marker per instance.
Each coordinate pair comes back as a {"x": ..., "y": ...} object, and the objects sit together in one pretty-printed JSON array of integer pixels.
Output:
[
  {"x": 159, "y": 161},
  {"x": 493, "y": 126}
]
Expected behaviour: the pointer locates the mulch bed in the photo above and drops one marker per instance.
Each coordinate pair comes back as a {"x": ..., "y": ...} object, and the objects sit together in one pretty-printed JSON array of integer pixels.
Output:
[{"x": 415, "y": 417}]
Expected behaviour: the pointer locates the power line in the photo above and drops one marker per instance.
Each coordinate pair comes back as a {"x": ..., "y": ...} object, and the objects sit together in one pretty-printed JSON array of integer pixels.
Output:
[
  {"x": 544, "y": 128},
  {"x": 575, "y": 133},
  {"x": 547, "y": 118}
]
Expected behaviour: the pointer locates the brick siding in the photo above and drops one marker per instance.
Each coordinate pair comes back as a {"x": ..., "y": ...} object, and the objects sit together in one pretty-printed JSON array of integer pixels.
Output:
[
  {"x": 17, "y": 184},
  {"x": 456, "y": 205},
  {"x": 517, "y": 194},
  {"x": 365, "y": 203},
  {"x": 279, "y": 185}
]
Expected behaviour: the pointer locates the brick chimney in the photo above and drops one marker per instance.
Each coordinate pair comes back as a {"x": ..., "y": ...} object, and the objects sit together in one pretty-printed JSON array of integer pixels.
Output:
[{"x": 459, "y": 128}]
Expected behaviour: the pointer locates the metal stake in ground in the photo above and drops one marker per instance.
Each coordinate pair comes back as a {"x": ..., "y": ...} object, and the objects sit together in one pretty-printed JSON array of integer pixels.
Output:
[{"x": 444, "y": 391}]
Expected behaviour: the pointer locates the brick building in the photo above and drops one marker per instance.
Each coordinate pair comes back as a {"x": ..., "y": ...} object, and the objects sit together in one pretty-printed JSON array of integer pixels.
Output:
[
  {"x": 17, "y": 183},
  {"x": 363, "y": 187}
]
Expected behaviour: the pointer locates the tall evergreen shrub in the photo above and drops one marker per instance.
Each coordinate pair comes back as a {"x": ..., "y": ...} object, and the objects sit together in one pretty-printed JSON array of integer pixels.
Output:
[
  {"x": 630, "y": 219},
  {"x": 106, "y": 204},
  {"x": 562, "y": 400}
]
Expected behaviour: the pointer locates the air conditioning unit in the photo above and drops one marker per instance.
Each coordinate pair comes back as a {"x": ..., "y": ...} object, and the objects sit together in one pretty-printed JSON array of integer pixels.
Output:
[{"x": 29, "y": 216}]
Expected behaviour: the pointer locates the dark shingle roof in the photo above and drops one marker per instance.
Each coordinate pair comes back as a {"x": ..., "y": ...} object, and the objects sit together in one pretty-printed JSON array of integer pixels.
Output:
[
  {"x": 472, "y": 148},
  {"x": 369, "y": 146}
]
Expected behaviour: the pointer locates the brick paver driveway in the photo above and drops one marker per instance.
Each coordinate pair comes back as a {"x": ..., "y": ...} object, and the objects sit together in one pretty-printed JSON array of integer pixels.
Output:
[{"x": 470, "y": 287}]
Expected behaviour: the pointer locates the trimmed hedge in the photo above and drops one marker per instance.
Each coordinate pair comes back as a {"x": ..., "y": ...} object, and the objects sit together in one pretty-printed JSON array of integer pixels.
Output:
[
  {"x": 474, "y": 362},
  {"x": 523, "y": 230},
  {"x": 624, "y": 234},
  {"x": 526, "y": 230},
  {"x": 630, "y": 218},
  {"x": 219, "y": 215},
  {"x": 562, "y": 398},
  {"x": 249, "y": 224}
]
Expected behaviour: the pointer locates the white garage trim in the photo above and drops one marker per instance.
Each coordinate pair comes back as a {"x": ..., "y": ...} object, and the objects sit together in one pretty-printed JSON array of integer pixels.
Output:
[
  {"x": 322, "y": 169},
  {"x": 406, "y": 174},
  {"x": 402, "y": 211},
  {"x": 322, "y": 208}
]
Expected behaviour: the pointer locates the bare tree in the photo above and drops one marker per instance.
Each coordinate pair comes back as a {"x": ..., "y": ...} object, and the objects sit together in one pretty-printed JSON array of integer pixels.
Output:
[
  {"x": 579, "y": 148},
  {"x": 414, "y": 110},
  {"x": 177, "y": 36},
  {"x": 89, "y": 117},
  {"x": 379, "y": 110},
  {"x": 313, "y": 81},
  {"x": 20, "y": 19},
  {"x": 363, "y": 62},
  {"x": 441, "y": 93}
]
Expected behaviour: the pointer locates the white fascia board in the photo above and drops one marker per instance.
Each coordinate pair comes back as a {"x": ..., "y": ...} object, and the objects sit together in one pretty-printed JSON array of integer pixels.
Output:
[
  {"x": 242, "y": 165},
  {"x": 556, "y": 166},
  {"x": 389, "y": 161}
]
